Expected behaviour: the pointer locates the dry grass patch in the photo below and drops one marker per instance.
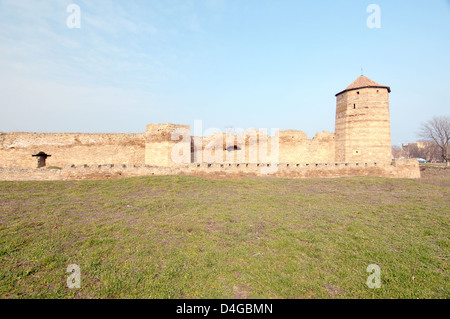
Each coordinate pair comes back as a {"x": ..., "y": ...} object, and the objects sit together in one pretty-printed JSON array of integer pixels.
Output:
[{"x": 191, "y": 237}]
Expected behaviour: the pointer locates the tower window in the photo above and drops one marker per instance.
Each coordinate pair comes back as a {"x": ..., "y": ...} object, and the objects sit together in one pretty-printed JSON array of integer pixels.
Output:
[
  {"x": 233, "y": 148},
  {"x": 357, "y": 92},
  {"x": 354, "y": 106}
]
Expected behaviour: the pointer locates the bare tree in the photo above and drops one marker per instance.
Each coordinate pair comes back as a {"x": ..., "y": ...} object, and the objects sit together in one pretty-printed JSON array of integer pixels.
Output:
[
  {"x": 438, "y": 130},
  {"x": 413, "y": 151},
  {"x": 429, "y": 151}
]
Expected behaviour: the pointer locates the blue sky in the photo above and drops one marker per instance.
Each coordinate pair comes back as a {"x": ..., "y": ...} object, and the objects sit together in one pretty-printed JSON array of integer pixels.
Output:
[{"x": 230, "y": 63}]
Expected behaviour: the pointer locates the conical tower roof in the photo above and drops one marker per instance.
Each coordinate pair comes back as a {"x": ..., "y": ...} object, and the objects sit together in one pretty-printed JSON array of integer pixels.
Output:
[{"x": 364, "y": 82}]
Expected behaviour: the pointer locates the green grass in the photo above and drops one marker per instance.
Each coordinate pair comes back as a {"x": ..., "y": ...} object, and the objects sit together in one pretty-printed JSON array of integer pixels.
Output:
[{"x": 189, "y": 237}]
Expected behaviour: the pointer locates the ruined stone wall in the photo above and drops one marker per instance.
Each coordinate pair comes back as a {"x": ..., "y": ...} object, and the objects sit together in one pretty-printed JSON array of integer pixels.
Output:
[
  {"x": 295, "y": 147},
  {"x": 253, "y": 146},
  {"x": 164, "y": 142},
  {"x": 16, "y": 149},
  {"x": 435, "y": 171},
  {"x": 257, "y": 147},
  {"x": 156, "y": 147},
  {"x": 399, "y": 169},
  {"x": 363, "y": 126}
]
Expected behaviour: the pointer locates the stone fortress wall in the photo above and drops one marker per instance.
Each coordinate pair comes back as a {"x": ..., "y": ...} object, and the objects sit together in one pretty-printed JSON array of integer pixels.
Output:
[
  {"x": 253, "y": 146},
  {"x": 16, "y": 149},
  {"x": 360, "y": 146}
]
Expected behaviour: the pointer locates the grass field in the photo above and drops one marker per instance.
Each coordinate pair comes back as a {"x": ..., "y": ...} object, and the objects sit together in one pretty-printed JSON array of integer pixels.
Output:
[{"x": 189, "y": 237}]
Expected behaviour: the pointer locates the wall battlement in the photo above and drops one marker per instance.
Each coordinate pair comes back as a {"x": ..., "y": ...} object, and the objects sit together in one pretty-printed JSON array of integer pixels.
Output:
[{"x": 397, "y": 169}]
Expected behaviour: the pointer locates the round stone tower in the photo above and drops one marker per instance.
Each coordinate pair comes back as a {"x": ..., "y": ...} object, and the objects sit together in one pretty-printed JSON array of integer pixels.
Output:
[{"x": 363, "y": 132}]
